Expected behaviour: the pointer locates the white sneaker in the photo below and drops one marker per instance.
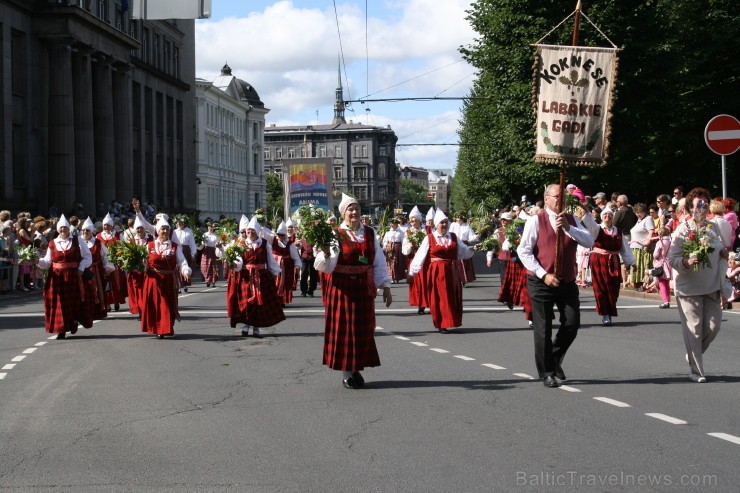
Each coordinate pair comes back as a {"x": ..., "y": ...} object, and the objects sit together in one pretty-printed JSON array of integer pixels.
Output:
[
  {"x": 698, "y": 378},
  {"x": 531, "y": 324}
]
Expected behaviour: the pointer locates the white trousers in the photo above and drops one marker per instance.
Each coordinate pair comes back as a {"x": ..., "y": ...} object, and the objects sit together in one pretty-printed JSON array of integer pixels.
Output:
[{"x": 701, "y": 317}]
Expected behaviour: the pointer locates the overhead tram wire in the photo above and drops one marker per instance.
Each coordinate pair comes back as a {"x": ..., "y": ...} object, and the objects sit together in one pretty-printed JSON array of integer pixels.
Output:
[{"x": 431, "y": 98}]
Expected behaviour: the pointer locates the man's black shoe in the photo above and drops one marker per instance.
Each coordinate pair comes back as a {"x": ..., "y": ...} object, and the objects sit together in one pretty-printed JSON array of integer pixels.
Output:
[
  {"x": 550, "y": 381},
  {"x": 349, "y": 383},
  {"x": 357, "y": 377}
]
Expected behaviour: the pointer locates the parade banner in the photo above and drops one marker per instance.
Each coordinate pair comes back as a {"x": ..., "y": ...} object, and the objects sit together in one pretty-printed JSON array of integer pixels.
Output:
[
  {"x": 573, "y": 87},
  {"x": 307, "y": 181}
]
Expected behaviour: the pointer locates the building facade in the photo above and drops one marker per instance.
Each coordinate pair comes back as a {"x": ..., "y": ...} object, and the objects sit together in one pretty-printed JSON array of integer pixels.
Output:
[
  {"x": 95, "y": 106},
  {"x": 439, "y": 184},
  {"x": 230, "y": 139}
]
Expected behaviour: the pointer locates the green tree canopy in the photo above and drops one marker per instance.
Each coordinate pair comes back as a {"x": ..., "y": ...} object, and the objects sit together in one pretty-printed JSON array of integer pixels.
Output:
[
  {"x": 275, "y": 196},
  {"x": 413, "y": 193},
  {"x": 677, "y": 69}
]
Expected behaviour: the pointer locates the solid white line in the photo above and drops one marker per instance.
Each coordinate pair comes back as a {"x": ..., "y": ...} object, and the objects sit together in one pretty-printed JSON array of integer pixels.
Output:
[
  {"x": 723, "y": 135},
  {"x": 402, "y": 338},
  {"x": 30, "y": 350},
  {"x": 464, "y": 358},
  {"x": 18, "y": 358},
  {"x": 9, "y": 366},
  {"x": 568, "y": 388},
  {"x": 420, "y": 344},
  {"x": 524, "y": 375},
  {"x": 612, "y": 402},
  {"x": 491, "y": 365},
  {"x": 3, "y": 375},
  {"x": 437, "y": 350},
  {"x": 42, "y": 343},
  {"x": 666, "y": 418},
  {"x": 725, "y": 436}
]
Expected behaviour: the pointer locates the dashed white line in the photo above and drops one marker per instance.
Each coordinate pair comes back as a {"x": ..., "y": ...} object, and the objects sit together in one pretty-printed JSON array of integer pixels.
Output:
[
  {"x": 612, "y": 402},
  {"x": 464, "y": 358},
  {"x": 42, "y": 343},
  {"x": 402, "y": 338},
  {"x": 52, "y": 337},
  {"x": 3, "y": 375},
  {"x": 18, "y": 358},
  {"x": 725, "y": 436},
  {"x": 666, "y": 418},
  {"x": 437, "y": 350},
  {"x": 420, "y": 344},
  {"x": 30, "y": 350},
  {"x": 568, "y": 388},
  {"x": 9, "y": 366},
  {"x": 491, "y": 365},
  {"x": 524, "y": 375}
]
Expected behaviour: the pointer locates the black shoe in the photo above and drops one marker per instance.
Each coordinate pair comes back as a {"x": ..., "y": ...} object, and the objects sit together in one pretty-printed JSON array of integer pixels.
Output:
[
  {"x": 208, "y": 284},
  {"x": 117, "y": 306},
  {"x": 186, "y": 290},
  {"x": 160, "y": 336},
  {"x": 444, "y": 331},
  {"x": 310, "y": 295},
  {"x": 357, "y": 377},
  {"x": 510, "y": 306},
  {"x": 560, "y": 376},
  {"x": 349, "y": 383},
  {"x": 138, "y": 317},
  {"x": 420, "y": 311},
  {"x": 61, "y": 336},
  {"x": 303, "y": 295},
  {"x": 74, "y": 331},
  {"x": 550, "y": 381}
]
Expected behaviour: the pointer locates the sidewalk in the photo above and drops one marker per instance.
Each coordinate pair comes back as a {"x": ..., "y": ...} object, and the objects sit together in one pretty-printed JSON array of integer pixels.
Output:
[{"x": 631, "y": 293}]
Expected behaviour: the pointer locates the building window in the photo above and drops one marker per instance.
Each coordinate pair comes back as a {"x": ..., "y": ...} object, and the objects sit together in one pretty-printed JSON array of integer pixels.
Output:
[
  {"x": 337, "y": 151},
  {"x": 155, "y": 51},
  {"x": 291, "y": 152},
  {"x": 145, "y": 45},
  {"x": 356, "y": 150},
  {"x": 176, "y": 62},
  {"x": 256, "y": 200},
  {"x": 360, "y": 192},
  {"x": 381, "y": 172},
  {"x": 303, "y": 151},
  {"x": 102, "y": 8},
  {"x": 337, "y": 173},
  {"x": 359, "y": 174},
  {"x": 279, "y": 153},
  {"x": 322, "y": 150},
  {"x": 17, "y": 62},
  {"x": 381, "y": 193},
  {"x": 383, "y": 151},
  {"x": 267, "y": 154},
  {"x": 364, "y": 150},
  {"x": 256, "y": 163},
  {"x": 167, "y": 51}
]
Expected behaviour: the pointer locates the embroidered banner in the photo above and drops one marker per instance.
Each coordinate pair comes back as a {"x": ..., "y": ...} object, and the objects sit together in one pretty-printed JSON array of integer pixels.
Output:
[
  {"x": 307, "y": 181},
  {"x": 573, "y": 88}
]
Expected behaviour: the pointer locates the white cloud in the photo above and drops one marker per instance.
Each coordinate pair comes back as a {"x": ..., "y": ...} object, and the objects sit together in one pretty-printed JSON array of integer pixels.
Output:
[{"x": 289, "y": 54}]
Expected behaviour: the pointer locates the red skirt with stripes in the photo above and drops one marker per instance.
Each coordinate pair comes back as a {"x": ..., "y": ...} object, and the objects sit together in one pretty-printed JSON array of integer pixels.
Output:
[{"x": 514, "y": 287}]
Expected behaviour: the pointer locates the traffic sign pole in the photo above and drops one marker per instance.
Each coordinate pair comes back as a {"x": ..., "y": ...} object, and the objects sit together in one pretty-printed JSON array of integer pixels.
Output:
[{"x": 724, "y": 177}]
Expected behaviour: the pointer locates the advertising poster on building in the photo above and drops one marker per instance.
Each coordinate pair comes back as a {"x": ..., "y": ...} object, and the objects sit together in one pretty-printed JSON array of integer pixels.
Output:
[
  {"x": 307, "y": 181},
  {"x": 573, "y": 86}
]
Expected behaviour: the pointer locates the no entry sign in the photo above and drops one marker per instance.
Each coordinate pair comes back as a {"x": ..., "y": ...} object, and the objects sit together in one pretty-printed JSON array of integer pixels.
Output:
[{"x": 722, "y": 134}]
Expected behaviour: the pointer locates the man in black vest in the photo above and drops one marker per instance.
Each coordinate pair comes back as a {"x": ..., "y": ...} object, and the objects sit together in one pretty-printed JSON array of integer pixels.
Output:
[{"x": 546, "y": 290}]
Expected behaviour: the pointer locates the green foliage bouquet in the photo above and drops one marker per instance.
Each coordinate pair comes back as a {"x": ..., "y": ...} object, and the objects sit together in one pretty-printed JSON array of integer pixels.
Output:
[
  {"x": 314, "y": 228},
  {"x": 128, "y": 256},
  {"x": 513, "y": 233},
  {"x": 226, "y": 230},
  {"x": 490, "y": 244},
  {"x": 233, "y": 253},
  {"x": 27, "y": 254}
]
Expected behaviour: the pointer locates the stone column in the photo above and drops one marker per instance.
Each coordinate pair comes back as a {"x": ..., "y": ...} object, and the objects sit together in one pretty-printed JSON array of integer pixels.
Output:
[
  {"x": 123, "y": 133},
  {"x": 61, "y": 126},
  {"x": 105, "y": 177},
  {"x": 84, "y": 135}
]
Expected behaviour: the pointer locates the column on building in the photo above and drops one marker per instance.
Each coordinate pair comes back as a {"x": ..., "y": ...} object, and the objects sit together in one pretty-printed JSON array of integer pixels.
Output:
[
  {"x": 61, "y": 125},
  {"x": 105, "y": 178},
  {"x": 122, "y": 131},
  {"x": 83, "y": 121}
]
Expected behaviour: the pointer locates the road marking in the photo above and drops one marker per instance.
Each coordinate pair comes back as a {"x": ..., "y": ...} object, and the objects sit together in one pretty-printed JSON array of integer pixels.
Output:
[
  {"x": 437, "y": 350},
  {"x": 9, "y": 366},
  {"x": 464, "y": 358},
  {"x": 612, "y": 402},
  {"x": 725, "y": 436},
  {"x": 420, "y": 344},
  {"x": 18, "y": 358},
  {"x": 3, "y": 375},
  {"x": 568, "y": 388},
  {"x": 42, "y": 343},
  {"x": 402, "y": 338},
  {"x": 30, "y": 350},
  {"x": 666, "y": 418},
  {"x": 524, "y": 375},
  {"x": 379, "y": 328},
  {"x": 52, "y": 337},
  {"x": 491, "y": 365}
]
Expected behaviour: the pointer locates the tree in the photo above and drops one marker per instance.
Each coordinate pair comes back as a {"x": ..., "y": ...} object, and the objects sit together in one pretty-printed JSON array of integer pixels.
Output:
[
  {"x": 275, "y": 195},
  {"x": 413, "y": 193},
  {"x": 676, "y": 70}
]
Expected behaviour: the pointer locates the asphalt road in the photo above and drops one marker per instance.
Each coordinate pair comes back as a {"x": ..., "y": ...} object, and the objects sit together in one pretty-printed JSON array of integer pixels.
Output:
[{"x": 112, "y": 409}]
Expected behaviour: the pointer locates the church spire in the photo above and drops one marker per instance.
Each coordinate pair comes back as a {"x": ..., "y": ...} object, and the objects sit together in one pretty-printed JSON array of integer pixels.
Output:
[{"x": 339, "y": 98}]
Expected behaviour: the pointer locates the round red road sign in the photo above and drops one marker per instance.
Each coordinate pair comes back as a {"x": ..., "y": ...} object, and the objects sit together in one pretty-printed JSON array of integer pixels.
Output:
[{"x": 722, "y": 134}]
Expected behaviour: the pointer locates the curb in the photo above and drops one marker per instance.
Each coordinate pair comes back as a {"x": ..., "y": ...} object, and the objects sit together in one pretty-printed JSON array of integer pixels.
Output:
[{"x": 631, "y": 293}]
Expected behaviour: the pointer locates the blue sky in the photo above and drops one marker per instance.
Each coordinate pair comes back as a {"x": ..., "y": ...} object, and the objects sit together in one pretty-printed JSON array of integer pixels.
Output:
[{"x": 288, "y": 51}]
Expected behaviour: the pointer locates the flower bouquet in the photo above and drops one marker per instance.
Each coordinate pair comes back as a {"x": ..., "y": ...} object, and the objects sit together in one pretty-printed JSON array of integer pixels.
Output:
[
  {"x": 260, "y": 215},
  {"x": 226, "y": 230},
  {"x": 698, "y": 244},
  {"x": 233, "y": 253},
  {"x": 490, "y": 244},
  {"x": 314, "y": 228},
  {"x": 572, "y": 203},
  {"x": 27, "y": 254},
  {"x": 128, "y": 256},
  {"x": 513, "y": 233},
  {"x": 415, "y": 237}
]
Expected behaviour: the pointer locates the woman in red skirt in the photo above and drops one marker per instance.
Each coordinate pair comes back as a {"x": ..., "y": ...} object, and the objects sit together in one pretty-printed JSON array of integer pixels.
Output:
[
  {"x": 443, "y": 250},
  {"x": 286, "y": 255},
  {"x": 94, "y": 303},
  {"x": 135, "y": 278},
  {"x": 66, "y": 259},
  {"x": 609, "y": 244},
  {"x": 165, "y": 262},
  {"x": 208, "y": 258},
  {"x": 251, "y": 297},
  {"x": 417, "y": 284},
  {"x": 117, "y": 293},
  {"x": 354, "y": 273}
]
